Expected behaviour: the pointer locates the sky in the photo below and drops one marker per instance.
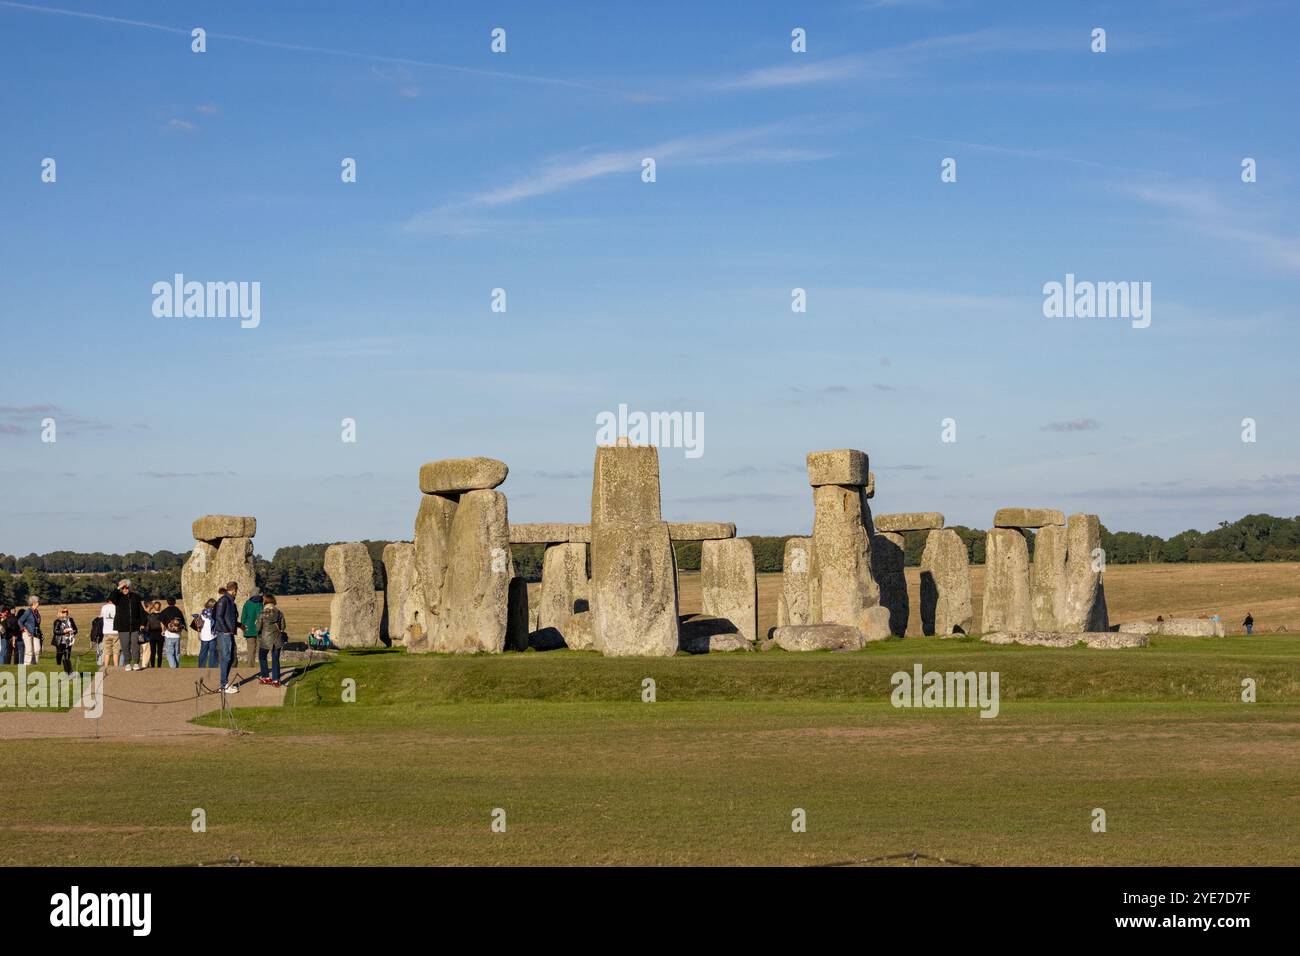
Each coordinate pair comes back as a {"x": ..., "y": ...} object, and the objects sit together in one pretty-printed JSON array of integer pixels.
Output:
[{"x": 522, "y": 170}]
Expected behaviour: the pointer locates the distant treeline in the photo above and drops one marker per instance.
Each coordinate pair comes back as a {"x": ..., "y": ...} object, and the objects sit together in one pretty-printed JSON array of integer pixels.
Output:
[{"x": 74, "y": 577}]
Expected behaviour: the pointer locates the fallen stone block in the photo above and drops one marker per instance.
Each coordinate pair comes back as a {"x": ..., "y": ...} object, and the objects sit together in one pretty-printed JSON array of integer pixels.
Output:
[
  {"x": 817, "y": 637},
  {"x": 1105, "y": 640},
  {"x": 840, "y": 466},
  {"x": 909, "y": 521},
  {"x": 454, "y": 476},
  {"x": 1177, "y": 627},
  {"x": 874, "y": 623},
  {"x": 1027, "y": 518},
  {"x": 711, "y": 635}
]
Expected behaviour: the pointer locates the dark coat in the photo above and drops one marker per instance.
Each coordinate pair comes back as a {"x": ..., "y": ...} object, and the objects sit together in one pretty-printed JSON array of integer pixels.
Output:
[
  {"x": 131, "y": 615},
  {"x": 270, "y": 628},
  {"x": 225, "y": 616}
]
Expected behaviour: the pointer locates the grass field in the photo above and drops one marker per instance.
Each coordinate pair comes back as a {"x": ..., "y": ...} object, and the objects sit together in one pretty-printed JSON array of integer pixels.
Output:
[{"x": 586, "y": 772}]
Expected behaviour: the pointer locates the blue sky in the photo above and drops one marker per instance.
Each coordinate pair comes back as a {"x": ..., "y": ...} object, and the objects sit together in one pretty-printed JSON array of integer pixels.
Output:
[{"x": 522, "y": 170}]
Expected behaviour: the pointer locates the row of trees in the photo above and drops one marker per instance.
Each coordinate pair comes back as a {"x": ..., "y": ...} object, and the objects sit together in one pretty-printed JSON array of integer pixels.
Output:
[{"x": 73, "y": 577}]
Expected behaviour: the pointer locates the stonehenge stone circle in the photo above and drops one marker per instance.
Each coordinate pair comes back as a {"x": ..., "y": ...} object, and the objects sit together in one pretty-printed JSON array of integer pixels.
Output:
[
  {"x": 887, "y": 567},
  {"x": 215, "y": 561},
  {"x": 841, "y": 466},
  {"x": 1006, "y": 582},
  {"x": 729, "y": 585},
  {"x": 403, "y": 618},
  {"x": 454, "y": 476},
  {"x": 795, "y": 604},
  {"x": 909, "y": 521},
  {"x": 354, "y": 609},
  {"x": 634, "y": 603},
  {"x": 1047, "y": 578},
  {"x": 564, "y": 592},
  {"x": 1027, "y": 518},
  {"x": 945, "y": 585},
  {"x": 1083, "y": 606},
  {"x": 472, "y": 607}
]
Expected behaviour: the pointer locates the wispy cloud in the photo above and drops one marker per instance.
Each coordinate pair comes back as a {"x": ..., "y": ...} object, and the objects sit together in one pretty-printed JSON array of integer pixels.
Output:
[
  {"x": 178, "y": 125},
  {"x": 1073, "y": 425},
  {"x": 186, "y": 474},
  {"x": 562, "y": 475}
]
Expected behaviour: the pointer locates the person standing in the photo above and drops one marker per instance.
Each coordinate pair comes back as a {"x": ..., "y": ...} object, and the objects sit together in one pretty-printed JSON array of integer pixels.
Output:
[
  {"x": 172, "y": 642},
  {"x": 248, "y": 616},
  {"x": 207, "y": 644},
  {"x": 154, "y": 631},
  {"x": 29, "y": 619},
  {"x": 10, "y": 633},
  {"x": 65, "y": 635},
  {"x": 270, "y": 638},
  {"x": 225, "y": 625},
  {"x": 130, "y": 620},
  {"x": 110, "y": 645},
  {"x": 1249, "y": 624}
]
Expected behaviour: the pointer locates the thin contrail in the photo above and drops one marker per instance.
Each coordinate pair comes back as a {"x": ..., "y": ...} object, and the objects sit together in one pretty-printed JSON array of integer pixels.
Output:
[{"x": 302, "y": 48}]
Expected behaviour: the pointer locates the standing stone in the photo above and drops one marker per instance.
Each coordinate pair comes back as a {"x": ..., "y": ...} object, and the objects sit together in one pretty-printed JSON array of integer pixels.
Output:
[
  {"x": 729, "y": 585},
  {"x": 633, "y": 571},
  {"x": 432, "y": 534},
  {"x": 841, "y": 584},
  {"x": 517, "y": 615},
  {"x": 473, "y": 605},
  {"x": 354, "y": 610},
  {"x": 565, "y": 591},
  {"x": 795, "y": 597},
  {"x": 212, "y": 565},
  {"x": 1006, "y": 582},
  {"x": 887, "y": 567},
  {"x": 404, "y": 617},
  {"x": 945, "y": 585},
  {"x": 1047, "y": 583},
  {"x": 1083, "y": 606}
]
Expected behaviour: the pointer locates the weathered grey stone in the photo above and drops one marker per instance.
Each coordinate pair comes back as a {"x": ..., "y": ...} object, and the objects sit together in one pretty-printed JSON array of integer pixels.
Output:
[
  {"x": 782, "y": 612},
  {"x": 210, "y": 567},
  {"x": 403, "y": 620},
  {"x": 432, "y": 534},
  {"x": 1047, "y": 578},
  {"x": 729, "y": 586},
  {"x": 633, "y": 571},
  {"x": 1006, "y": 582},
  {"x": 215, "y": 527},
  {"x": 817, "y": 637},
  {"x": 1103, "y": 640},
  {"x": 517, "y": 615},
  {"x": 870, "y": 490},
  {"x": 1027, "y": 518},
  {"x": 354, "y": 610},
  {"x": 796, "y": 600},
  {"x": 546, "y": 533},
  {"x": 945, "y": 585},
  {"x": 453, "y": 476},
  {"x": 700, "y": 530},
  {"x": 1177, "y": 627},
  {"x": 909, "y": 521},
  {"x": 841, "y": 586},
  {"x": 625, "y": 484},
  {"x": 579, "y": 534},
  {"x": 565, "y": 590},
  {"x": 711, "y": 635},
  {"x": 887, "y": 561},
  {"x": 1083, "y": 606},
  {"x": 875, "y": 624},
  {"x": 474, "y": 603},
  {"x": 580, "y": 626},
  {"x": 633, "y": 590},
  {"x": 840, "y": 466}
]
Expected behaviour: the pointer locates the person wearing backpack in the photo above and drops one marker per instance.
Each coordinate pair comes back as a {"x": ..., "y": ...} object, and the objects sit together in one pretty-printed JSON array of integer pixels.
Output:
[
  {"x": 172, "y": 641},
  {"x": 65, "y": 635},
  {"x": 270, "y": 639},
  {"x": 203, "y": 624},
  {"x": 97, "y": 639}
]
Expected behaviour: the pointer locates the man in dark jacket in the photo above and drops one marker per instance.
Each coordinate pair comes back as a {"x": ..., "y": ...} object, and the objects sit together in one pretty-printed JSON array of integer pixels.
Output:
[
  {"x": 225, "y": 625},
  {"x": 129, "y": 620}
]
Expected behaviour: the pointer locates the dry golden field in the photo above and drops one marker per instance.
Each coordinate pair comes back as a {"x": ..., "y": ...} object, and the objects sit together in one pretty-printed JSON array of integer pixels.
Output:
[{"x": 1271, "y": 592}]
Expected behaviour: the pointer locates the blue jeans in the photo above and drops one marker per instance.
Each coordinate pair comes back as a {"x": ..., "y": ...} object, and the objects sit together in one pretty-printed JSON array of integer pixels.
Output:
[
  {"x": 1250, "y": 628},
  {"x": 225, "y": 654},
  {"x": 172, "y": 650},
  {"x": 207, "y": 653},
  {"x": 275, "y": 662},
  {"x": 4, "y": 650}
]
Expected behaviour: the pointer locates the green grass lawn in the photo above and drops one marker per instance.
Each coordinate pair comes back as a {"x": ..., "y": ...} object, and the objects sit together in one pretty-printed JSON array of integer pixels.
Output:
[{"x": 587, "y": 773}]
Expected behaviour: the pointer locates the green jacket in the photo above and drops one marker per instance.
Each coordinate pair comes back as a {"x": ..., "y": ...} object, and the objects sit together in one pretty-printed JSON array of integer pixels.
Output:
[{"x": 249, "y": 613}]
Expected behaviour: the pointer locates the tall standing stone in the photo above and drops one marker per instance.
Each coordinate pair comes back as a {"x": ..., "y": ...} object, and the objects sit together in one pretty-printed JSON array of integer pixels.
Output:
[
  {"x": 842, "y": 587},
  {"x": 795, "y": 606},
  {"x": 432, "y": 536},
  {"x": 1006, "y": 582},
  {"x": 223, "y": 552},
  {"x": 1047, "y": 584},
  {"x": 945, "y": 585},
  {"x": 404, "y": 617},
  {"x": 354, "y": 609},
  {"x": 729, "y": 586},
  {"x": 473, "y": 605},
  {"x": 633, "y": 571},
  {"x": 564, "y": 592},
  {"x": 1083, "y": 606},
  {"x": 887, "y": 560}
]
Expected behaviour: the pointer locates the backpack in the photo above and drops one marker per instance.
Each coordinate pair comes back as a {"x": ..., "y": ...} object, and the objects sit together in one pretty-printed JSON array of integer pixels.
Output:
[
  {"x": 97, "y": 630},
  {"x": 196, "y": 622}
]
